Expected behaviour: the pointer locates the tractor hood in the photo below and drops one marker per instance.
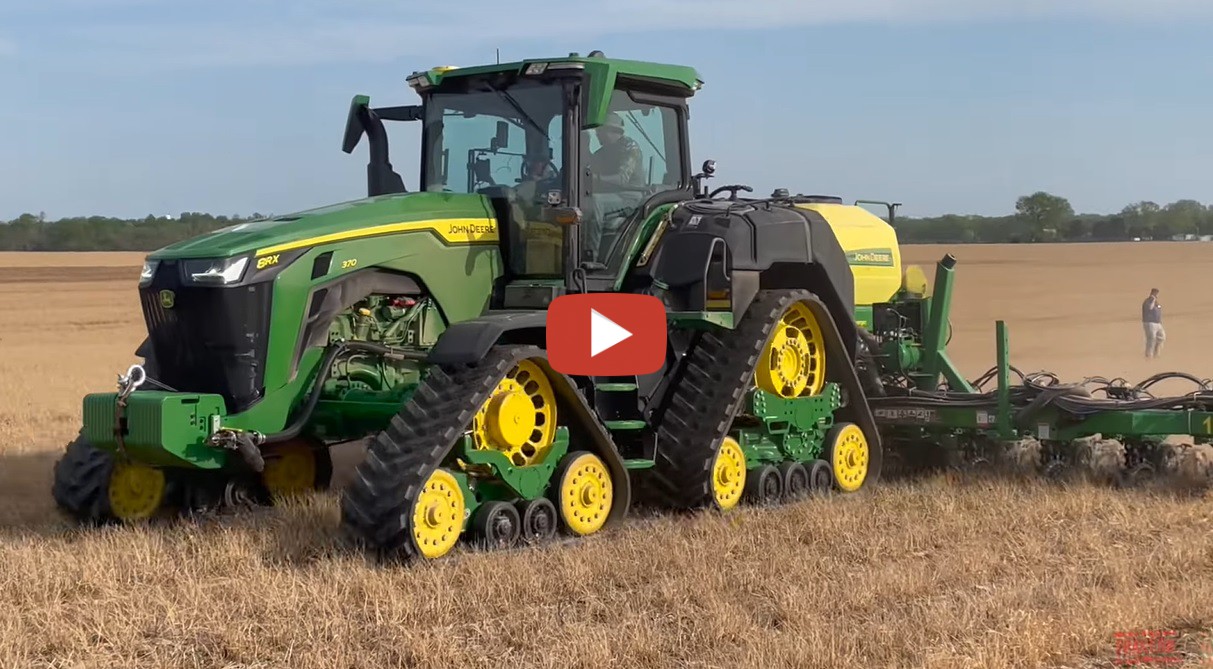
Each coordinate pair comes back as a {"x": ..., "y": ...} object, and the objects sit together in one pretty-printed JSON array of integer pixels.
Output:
[{"x": 467, "y": 215}]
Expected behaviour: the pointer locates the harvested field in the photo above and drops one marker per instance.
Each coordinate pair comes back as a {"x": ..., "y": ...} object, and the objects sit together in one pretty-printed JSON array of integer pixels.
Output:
[{"x": 932, "y": 573}]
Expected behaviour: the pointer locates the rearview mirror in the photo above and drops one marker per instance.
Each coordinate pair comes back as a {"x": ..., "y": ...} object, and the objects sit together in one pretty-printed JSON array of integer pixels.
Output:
[
  {"x": 502, "y": 140},
  {"x": 354, "y": 129}
]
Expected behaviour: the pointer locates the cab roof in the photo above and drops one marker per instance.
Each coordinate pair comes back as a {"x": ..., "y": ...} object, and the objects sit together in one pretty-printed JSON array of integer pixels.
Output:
[{"x": 680, "y": 76}]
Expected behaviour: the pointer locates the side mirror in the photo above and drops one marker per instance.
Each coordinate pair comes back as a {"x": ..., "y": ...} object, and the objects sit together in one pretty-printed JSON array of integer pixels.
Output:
[
  {"x": 502, "y": 140},
  {"x": 709, "y": 168},
  {"x": 354, "y": 128}
]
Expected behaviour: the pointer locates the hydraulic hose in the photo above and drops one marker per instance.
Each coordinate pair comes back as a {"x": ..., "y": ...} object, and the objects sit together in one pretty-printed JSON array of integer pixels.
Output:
[{"x": 326, "y": 364}]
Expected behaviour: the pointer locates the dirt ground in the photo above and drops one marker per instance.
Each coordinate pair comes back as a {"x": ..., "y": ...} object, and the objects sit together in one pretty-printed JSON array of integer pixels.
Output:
[{"x": 932, "y": 573}]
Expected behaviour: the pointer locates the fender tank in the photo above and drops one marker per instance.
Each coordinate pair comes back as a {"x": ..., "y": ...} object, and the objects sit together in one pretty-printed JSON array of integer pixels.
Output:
[{"x": 871, "y": 248}]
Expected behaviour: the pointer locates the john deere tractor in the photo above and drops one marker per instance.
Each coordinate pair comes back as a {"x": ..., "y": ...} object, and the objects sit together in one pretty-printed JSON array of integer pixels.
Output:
[{"x": 418, "y": 319}]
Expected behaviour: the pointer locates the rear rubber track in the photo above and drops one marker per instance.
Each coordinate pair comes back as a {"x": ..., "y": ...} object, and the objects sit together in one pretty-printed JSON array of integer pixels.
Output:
[{"x": 706, "y": 401}]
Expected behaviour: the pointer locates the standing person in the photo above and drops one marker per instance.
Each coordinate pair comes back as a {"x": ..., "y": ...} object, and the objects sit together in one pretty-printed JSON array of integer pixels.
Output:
[{"x": 1151, "y": 322}]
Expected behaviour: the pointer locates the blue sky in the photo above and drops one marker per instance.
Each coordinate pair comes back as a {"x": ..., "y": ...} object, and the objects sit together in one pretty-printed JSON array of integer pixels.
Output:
[{"x": 131, "y": 107}]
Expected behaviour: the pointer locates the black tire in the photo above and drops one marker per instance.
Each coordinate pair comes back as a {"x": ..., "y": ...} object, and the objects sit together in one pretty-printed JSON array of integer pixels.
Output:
[
  {"x": 764, "y": 486},
  {"x": 497, "y": 525},
  {"x": 796, "y": 484},
  {"x": 81, "y": 483},
  {"x": 539, "y": 520}
]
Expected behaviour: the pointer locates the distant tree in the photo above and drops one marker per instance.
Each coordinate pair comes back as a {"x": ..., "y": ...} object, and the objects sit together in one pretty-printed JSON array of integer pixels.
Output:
[{"x": 1041, "y": 212}]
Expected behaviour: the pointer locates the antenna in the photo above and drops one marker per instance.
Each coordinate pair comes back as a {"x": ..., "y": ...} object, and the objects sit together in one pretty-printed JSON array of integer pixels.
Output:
[{"x": 498, "y": 55}]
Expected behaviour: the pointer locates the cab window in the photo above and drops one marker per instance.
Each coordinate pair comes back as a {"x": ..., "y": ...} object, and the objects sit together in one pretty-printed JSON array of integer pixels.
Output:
[{"x": 627, "y": 159}]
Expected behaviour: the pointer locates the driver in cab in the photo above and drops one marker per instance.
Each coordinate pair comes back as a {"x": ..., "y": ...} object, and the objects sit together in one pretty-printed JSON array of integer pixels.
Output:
[{"x": 617, "y": 162}]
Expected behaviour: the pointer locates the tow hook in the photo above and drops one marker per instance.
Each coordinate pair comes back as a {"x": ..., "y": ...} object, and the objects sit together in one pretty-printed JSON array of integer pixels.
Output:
[{"x": 244, "y": 443}]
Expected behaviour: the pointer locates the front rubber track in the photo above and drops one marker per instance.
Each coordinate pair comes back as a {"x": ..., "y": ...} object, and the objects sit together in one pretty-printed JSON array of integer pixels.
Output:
[
  {"x": 707, "y": 399},
  {"x": 81, "y": 483},
  {"x": 377, "y": 506}
]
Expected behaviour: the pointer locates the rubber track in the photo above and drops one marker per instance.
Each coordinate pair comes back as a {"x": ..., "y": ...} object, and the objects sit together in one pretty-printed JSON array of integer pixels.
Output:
[
  {"x": 377, "y": 507},
  {"x": 80, "y": 482},
  {"x": 707, "y": 400}
]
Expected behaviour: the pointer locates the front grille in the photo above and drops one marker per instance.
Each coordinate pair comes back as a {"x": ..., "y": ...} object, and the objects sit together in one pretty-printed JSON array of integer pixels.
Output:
[{"x": 211, "y": 339}]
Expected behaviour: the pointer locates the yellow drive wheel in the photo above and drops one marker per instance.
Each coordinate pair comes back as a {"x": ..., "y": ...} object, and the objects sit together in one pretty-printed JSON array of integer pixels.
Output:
[
  {"x": 728, "y": 474},
  {"x": 849, "y": 455},
  {"x": 292, "y": 468},
  {"x": 438, "y": 515},
  {"x": 136, "y": 491},
  {"x": 793, "y": 363},
  {"x": 584, "y": 492},
  {"x": 519, "y": 418}
]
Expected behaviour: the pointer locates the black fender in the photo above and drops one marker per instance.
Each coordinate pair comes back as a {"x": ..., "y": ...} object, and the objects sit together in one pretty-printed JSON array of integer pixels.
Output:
[
  {"x": 469, "y": 341},
  {"x": 751, "y": 246}
]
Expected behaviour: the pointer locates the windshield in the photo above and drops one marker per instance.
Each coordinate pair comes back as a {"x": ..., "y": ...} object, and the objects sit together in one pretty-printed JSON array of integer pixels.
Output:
[
  {"x": 486, "y": 137},
  {"x": 505, "y": 143}
]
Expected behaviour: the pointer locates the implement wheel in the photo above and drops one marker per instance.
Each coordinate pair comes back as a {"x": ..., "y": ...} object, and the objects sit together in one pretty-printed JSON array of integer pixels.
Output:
[
  {"x": 583, "y": 492},
  {"x": 849, "y": 456}
]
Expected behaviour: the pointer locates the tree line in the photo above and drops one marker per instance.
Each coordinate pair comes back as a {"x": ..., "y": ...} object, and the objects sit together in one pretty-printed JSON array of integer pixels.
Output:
[{"x": 1038, "y": 218}]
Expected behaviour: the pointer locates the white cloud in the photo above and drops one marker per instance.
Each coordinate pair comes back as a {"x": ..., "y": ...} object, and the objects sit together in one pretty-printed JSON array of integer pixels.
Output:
[{"x": 262, "y": 32}]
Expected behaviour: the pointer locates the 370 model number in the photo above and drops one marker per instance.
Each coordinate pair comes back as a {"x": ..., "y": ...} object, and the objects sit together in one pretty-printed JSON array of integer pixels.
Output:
[{"x": 346, "y": 264}]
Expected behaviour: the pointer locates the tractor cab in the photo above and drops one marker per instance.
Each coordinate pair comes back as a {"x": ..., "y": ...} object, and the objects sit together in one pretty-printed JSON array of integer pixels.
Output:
[{"x": 574, "y": 155}]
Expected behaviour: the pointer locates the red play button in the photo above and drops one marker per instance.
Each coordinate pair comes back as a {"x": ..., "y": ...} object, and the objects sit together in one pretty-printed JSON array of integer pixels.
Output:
[{"x": 606, "y": 334}]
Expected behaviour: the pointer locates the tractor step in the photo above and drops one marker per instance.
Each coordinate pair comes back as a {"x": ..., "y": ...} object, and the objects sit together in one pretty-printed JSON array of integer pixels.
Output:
[
  {"x": 616, "y": 387},
  {"x": 625, "y": 424},
  {"x": 639, "y": 463}
]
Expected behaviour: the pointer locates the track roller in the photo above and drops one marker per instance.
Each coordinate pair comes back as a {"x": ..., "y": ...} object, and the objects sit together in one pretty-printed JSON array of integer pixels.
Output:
[
  {"x": 497, "y": 524},
  {"x": 796, "y": 482},
  {"x": 539, "y": 519},
  {"x": 764, "y": 486},
  {"x": 821, "y": 477}
]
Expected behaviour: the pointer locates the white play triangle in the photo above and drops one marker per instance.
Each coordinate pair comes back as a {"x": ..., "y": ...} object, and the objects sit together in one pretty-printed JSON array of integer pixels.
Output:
[{"x": 604, "y": 333}]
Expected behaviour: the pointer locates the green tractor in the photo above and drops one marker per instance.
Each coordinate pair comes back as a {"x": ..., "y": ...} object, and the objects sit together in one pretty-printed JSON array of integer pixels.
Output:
[{"x": 418, "y": 319}]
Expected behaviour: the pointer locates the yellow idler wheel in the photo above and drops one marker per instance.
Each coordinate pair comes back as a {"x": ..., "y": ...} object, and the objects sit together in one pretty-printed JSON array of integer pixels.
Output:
[
  {"x": 584, "y": 492},
  {"x": 793, "y": 362},
  {"x": 438, "y": 515},
  {"x": 849, "y": 455},
  {"x": 136, "y": 491},
  {"x": 291, "y": 468},
  {"x": 519, "y": 418},
  {"x": 728, "y": 474}
]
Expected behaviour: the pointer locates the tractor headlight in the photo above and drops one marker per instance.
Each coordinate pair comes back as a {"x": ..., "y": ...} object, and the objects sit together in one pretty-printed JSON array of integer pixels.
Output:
[
  {"x": 148, "y": 271},
  {"x": 218, "y": 272}
]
